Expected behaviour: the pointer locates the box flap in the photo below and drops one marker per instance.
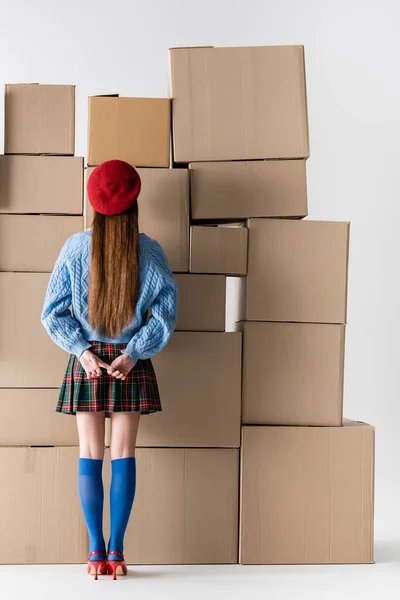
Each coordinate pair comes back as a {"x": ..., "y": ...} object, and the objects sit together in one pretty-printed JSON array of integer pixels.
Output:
[
  {"x": 189, "y": 47},
  {"x": 105, "y": 96}
]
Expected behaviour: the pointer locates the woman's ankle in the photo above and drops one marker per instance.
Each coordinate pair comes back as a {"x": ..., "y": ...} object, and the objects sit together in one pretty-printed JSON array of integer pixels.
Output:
[
  {"x": 114, "y": 554},
  {"x": 98, "y": 556}
]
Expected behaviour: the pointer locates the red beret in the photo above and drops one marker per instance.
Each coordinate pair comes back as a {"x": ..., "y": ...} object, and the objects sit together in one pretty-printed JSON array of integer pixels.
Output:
[{"x": 113, "y": 187}]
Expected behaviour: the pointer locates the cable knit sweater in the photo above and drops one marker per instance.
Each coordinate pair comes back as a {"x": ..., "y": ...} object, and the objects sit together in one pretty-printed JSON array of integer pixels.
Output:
[{"x": 68, "y": 286}]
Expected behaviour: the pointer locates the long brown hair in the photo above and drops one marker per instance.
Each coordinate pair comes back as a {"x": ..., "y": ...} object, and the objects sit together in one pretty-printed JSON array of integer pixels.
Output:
[{"x": 114, "y": 271}]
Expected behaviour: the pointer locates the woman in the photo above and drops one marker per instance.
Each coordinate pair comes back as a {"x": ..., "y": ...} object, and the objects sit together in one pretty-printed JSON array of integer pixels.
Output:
[{"x": 113, "y": 277}]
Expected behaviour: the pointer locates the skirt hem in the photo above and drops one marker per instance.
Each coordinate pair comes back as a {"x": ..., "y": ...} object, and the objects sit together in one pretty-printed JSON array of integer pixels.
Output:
[{"x": 108, "y": 412}]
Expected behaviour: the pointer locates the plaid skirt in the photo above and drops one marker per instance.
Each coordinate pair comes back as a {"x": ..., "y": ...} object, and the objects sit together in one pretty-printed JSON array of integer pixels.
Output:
[{"x": 138, "y": 393}]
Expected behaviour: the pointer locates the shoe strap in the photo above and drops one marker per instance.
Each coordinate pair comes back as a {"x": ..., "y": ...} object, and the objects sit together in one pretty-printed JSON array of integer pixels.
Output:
[
  {"x": 96, "y": 552},
  {"x": 116, "y": 552}
]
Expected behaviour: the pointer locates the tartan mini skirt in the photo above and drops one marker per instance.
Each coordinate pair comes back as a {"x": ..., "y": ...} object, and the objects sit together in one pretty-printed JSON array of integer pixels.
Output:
[{"x": 138, "y": 393}]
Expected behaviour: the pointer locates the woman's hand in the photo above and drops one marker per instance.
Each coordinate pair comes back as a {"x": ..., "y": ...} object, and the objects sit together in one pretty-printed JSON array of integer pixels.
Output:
[
  {"x": 92, "y": 364},
  {"x": 121, "y": 366}
]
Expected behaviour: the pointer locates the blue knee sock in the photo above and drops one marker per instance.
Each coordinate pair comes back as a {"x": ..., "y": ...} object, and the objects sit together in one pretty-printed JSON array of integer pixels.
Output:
[
  {"x": 91, "y": 494},
  {"x": 122, "y": 494}
]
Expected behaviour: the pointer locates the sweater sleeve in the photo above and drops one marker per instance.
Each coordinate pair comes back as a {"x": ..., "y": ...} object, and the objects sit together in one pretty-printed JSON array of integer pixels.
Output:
[
  {"x": 155, "y": 334},
  {"x": 56, "y": 317}
]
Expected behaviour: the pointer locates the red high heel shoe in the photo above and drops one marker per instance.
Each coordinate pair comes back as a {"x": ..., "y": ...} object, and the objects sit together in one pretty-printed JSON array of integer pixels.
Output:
[
  {"x": 95, "y": 567},
  {"x": 117, "y": 567}
]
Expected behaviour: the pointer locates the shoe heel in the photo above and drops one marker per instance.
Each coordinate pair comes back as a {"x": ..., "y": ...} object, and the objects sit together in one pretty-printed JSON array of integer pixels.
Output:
[
  {"x": 117, "y": 566},
  {"x": 112, "y": 570},
  {"x": 96, "y": 567}
]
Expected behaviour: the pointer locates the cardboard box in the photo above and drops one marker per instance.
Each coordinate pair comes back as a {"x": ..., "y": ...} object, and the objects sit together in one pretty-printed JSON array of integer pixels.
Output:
[
  {"x": 41, "y": 184},
  {"x": 218, "y": 249},
  {"x": 28, "y": 356},
  {"x": 293, "y": 374},
  {"x": 43, "y": 521},
  {"x": 242, "y": 189},
  {"x": 32, "y": 243},
  {"x": 186, "y": 507},
  {"x": 239, "y": 103},
  {"x": 163, "y": 212},
  {"x": 199, "y": 376},
  {"x": 307, "y": 495},
  {"x": 29, "y": 419},
  {"x": 39, "y": 119},
  {"x": 136, "y": 130},
  {"x": 202, "y": 302},
  {"x": 297, "y": 271}
]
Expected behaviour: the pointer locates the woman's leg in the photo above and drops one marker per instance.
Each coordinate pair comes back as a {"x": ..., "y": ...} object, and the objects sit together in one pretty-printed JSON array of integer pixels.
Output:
[
  {"x": 90, "y": 480},
  {"x": 124, "y": 426}
]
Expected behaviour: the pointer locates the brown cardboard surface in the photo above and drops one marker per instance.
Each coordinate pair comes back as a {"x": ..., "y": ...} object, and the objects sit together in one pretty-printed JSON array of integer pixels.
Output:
[
  {"x": 33, "y": 242},
  {"x": 297, "y": 271},
  {"x": 242, "y": 189},
  {"x": 186, "y": 507},
  {"x": 217, "y": 249},
  {"x": 28, "y": 356},
  {"x": 202, "y": 302},
  {"x": 39, "y": 119},
  {"x": 293, "y": 374},
  {"x": 41, "y": 184},
  {"x": 163, "y": 212},
  {"x": 238, "y": 103},
  {"x": 307, "y": 494},
  {"x": 136, "y": 130},
  {"x": 199, "y": 376},
  {"x": 43, "y": 521},
  {"x": 29, "y": 419}
]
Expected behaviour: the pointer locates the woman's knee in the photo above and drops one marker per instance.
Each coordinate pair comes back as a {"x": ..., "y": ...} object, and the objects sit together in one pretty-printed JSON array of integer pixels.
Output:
[
  {"x": 92, "y": 450},
  {"x": 124, "y": 427}
]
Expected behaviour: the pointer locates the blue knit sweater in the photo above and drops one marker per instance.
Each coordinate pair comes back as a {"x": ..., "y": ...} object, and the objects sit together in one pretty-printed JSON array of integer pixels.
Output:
[{"x": 68, "y": 286}]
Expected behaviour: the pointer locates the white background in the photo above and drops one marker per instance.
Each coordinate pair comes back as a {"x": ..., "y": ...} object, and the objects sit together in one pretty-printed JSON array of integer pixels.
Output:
[{"x": 353, "y": 78}]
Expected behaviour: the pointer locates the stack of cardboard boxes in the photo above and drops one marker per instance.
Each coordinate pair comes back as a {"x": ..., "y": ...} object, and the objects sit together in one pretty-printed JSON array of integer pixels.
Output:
[
  {"x": 240, "y": 122},
  {"x": 265, "y": 390},
  {"x": 41, "y": 202}
]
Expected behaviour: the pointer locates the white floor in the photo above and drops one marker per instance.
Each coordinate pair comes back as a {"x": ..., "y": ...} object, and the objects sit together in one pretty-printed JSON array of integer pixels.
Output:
[{"x": 381, "y": 580}]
